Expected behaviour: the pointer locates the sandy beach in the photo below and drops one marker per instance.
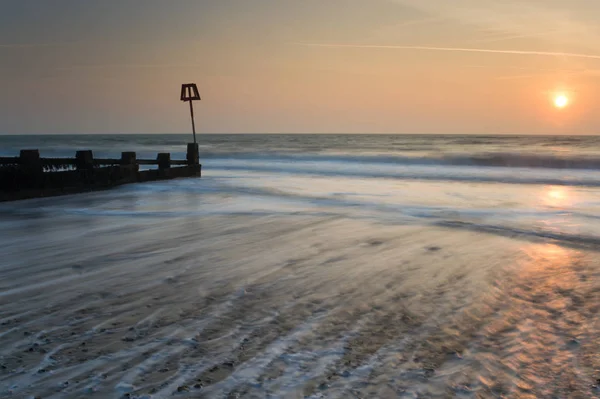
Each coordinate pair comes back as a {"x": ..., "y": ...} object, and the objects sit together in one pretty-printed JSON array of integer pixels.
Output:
[{"x": 292, "y": 306}]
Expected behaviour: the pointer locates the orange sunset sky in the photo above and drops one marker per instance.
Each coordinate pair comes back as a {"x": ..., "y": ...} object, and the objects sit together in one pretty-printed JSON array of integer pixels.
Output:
[{"x": 306, "y": 66}]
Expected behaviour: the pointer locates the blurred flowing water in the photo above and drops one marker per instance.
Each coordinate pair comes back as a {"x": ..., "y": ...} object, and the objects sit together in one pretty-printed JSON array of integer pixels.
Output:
[{"x": 310, "y": 266}]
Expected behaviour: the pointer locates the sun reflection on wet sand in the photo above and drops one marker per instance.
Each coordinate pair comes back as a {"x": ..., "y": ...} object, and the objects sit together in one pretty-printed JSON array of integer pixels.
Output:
[
  {"x": 548, "y": 319},
  {"x": 557, "y": 197}
]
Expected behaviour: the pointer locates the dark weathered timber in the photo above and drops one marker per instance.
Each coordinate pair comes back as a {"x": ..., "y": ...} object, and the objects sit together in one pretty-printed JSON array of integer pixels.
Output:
[
  {"x": 164, "y": 160},
  {"x": 193, "y": 154},
  {"x": 98, "y": 162},
  {"x": 30, "y": 176}
]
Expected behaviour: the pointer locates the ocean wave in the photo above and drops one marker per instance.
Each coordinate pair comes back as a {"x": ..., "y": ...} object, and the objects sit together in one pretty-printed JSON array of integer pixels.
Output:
[
  {"x": 414, "y": 172},
  {"x": 503, "y": 160}
]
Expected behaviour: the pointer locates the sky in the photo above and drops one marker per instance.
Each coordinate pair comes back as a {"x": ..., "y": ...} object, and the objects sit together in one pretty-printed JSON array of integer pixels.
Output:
[{"x": 300, "y": 66}]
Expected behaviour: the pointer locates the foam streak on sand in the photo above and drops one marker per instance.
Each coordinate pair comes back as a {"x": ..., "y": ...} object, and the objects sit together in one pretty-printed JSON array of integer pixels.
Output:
[{"x": 271, "y": 284}]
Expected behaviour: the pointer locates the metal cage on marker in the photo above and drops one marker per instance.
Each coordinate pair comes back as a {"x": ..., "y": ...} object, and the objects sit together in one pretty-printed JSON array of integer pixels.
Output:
[{"x": 189, "y": 92}]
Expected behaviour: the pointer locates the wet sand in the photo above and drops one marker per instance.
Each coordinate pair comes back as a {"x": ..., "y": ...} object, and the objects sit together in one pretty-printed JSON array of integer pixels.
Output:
[{"x": 292, "y": 306}]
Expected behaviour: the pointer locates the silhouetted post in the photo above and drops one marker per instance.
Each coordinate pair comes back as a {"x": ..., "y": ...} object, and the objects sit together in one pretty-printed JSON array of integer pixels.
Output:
[
  {"x": 84, "y": 160},
  {"x": 129, "y": 166},
  {"x": 193, "y": 154},
  {"x": 189, "y": 93},
  {"x": 164, "y": 160},
  {"x": 193, "y": 121},
  {"x": 130, "y": 159},
  {"x": 30, "y": 161}
]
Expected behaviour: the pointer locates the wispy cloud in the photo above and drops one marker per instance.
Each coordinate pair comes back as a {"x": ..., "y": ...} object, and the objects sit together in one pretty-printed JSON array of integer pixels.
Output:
[
  {"x": 456, "y": 49},
  {"x": 517, "y": 18}
]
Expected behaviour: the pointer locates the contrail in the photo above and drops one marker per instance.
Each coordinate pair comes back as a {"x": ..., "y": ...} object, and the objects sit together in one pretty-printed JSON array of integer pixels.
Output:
[{"x": 456, "y": 49}]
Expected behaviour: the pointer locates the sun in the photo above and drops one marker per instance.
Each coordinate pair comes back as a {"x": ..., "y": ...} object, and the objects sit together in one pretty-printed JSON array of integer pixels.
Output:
[{"x": 561, "y": 101}]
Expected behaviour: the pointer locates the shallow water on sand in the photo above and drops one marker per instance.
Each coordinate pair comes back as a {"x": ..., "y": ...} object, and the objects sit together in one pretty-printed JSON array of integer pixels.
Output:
[{"x": 285, "y": 282}]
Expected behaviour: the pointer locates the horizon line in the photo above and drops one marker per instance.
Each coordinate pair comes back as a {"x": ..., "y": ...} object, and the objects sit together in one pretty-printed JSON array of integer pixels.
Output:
[{"x": 305, "y": 133}]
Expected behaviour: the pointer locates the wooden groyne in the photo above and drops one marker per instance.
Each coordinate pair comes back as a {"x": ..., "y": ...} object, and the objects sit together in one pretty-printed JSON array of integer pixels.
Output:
[{"x": 30, "y": 176}]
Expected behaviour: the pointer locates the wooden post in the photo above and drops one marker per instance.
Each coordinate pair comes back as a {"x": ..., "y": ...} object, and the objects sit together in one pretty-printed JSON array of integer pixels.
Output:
[
  {"x": 30, "y": 161},
  {"x": 193, "y": 154},
  {"x": 130, "y": 159},
  {"x": 164, "y": 160},
  {"x": 193, "y": 122},
  {"x": 84, "y": 160}
]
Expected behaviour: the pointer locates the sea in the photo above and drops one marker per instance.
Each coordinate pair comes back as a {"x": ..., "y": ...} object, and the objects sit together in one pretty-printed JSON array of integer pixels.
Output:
[
  {"x": 542, "y": 184},
  {"x": 310, "y": 266}
]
